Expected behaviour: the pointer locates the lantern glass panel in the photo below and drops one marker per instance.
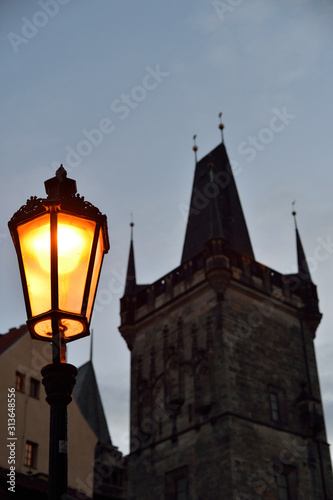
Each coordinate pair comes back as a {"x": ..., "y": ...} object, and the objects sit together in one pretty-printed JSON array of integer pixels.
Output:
[
  {"x": 34, "y": 239},
  {"x": 75, "y": 238},
  {"x": 70, "y": 327},
  {"x": 97, "y": 267}
]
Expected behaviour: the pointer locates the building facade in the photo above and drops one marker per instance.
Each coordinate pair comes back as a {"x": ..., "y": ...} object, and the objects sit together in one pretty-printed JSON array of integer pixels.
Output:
[
  {"x": 225, "y": 396},
  {"x": 96, "y": 469},
  {"x": 21, "y": 361}
]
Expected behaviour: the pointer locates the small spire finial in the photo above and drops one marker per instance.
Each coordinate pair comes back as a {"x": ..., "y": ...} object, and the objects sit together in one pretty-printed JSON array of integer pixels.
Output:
[
  {"x": 293, "y": 213},
  {"x": 131, "y": 225},
  {"x": 61, "y": 173},
  {"x": 195, "y": 148},
  {"x": 221, "y": 126}
]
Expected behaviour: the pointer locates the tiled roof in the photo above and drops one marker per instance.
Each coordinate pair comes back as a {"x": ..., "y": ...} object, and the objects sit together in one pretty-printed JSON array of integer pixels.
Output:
[{"x": 14, "y": 334}]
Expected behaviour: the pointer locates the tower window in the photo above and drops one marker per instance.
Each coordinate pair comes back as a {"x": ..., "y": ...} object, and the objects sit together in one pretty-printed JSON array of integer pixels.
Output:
[
  {"x": 275, "y": 410},
  {"x": 30, "y": 457},
  {"x": 176, "y": 484},
  {"x": 283, "y": 489},
  {"x": 190, "y": 416},
  {"x": 19, "y": 381},
  {"x": 277, "y": 404},
  {"x": 181, "y": 487},
  {"x": 286, "y": 483},
  {"x": 34, "y": 388}
]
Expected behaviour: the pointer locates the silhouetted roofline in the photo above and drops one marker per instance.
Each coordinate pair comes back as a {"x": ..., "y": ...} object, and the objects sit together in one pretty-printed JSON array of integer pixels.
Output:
[
  {"x": 88, "y": 398},
  {"x": 14, "y": 334}
]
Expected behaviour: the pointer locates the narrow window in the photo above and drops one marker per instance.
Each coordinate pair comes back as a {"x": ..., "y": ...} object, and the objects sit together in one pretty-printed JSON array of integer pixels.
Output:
[
  {"x": 277, "y": 404},
  {"x": 283, "y": 488},
  {"x": 34, "y": 388},
  {"x": 30, "y": 457},
  {"x": 176, "y": 484},
  {"x": 275, "y": 411},
  {"x": 181, "y": 487},
  {"x": 189, "y": 413},
  {"x": 19, "y": 381},
  {"x": 287, "y": 484}
]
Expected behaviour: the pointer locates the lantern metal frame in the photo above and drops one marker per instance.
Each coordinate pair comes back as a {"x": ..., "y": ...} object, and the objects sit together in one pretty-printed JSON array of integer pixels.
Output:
[{"x": 73, "y": 205}]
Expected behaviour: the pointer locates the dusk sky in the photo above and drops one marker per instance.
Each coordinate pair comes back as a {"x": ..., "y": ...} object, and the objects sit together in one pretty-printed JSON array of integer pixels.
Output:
[{"x": 116, "y": 89}]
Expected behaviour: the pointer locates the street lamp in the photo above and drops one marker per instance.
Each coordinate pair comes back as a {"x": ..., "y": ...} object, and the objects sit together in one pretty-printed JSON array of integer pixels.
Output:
[{"x": 60, "y": 243}]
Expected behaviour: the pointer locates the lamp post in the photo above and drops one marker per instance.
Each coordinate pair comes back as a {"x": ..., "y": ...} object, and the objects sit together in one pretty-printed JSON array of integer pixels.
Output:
[{"x": 60, "y": 243}]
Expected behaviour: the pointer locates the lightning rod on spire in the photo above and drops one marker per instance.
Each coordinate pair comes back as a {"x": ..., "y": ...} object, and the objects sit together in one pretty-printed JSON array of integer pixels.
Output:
[
  {"x": 195, "y": 148},
  {"x": 221, "y": 127},
  {"x": 293, "y": 213},
  {"x": 131, "y": 225}
]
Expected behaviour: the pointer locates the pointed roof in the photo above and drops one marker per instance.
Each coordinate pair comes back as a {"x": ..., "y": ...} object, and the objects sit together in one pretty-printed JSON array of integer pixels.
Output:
[
  {"x": 215, "y": 208},
  {"x": 303, "y": 280},
  {"x": 303, "y": 268},
  {"x": 130, "y": 285},
  {"x": 87, "y": 396}
]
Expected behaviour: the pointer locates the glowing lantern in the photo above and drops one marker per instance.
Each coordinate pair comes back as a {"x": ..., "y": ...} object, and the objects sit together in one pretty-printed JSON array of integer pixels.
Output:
[{"x": 60, "y": 243}]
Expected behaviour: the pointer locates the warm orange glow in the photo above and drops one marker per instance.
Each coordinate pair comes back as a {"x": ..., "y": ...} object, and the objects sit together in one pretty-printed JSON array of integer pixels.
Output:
[
  {"x": 97, "y": 267},
  {"x": 38, "y": 277},
  {"x": 70, "y": 246},
  {"x": 64, "y": 292},
  {"x": 75, "y": 238}
]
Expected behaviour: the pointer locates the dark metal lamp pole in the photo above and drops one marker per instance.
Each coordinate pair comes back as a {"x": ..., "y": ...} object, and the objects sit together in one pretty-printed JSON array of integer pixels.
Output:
[{"x": 59, "y": 380}]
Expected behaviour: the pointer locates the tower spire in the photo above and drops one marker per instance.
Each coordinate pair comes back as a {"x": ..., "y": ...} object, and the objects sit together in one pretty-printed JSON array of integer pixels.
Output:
[
  {"x": 303, "y": 269},
  {"x": 215, "y": 208},
  {"x": 130, "y": 286}
]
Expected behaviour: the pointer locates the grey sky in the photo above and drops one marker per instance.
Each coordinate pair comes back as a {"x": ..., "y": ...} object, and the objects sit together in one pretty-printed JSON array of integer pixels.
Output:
[{"x": 116, "y": 89}]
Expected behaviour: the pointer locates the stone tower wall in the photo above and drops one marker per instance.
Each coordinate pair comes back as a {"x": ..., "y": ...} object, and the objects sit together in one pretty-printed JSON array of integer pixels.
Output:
[{"x": 210, "y": 343}]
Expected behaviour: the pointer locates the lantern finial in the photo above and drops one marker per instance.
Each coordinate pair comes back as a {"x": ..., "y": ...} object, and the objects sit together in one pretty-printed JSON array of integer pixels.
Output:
[
  {"x": 60, "y": 186},
  {"x": 61, "y": 173}
]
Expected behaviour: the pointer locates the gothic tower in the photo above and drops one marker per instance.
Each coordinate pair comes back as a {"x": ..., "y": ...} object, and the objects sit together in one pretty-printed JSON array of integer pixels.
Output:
[{"x": 225, "y": 396}]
